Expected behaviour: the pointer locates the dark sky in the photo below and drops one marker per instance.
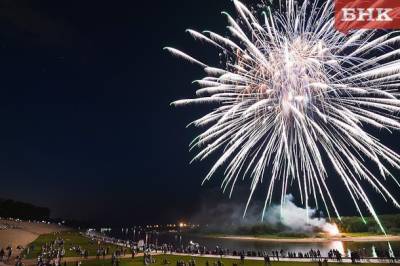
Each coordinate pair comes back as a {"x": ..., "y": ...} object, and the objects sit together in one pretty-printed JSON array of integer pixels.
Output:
[{"x": 86, "y": 126}]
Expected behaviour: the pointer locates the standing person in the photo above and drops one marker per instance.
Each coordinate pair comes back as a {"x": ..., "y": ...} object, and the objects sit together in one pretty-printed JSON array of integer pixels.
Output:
[
  {"x": 267, "y": 260},
  {"x": 113, "y": 259},
  {"x": 9, "y": 253},
  {"x": 242, "y": 258},
  {"x": 18, "y": 262},
  {"x": 2, "y": 254}
]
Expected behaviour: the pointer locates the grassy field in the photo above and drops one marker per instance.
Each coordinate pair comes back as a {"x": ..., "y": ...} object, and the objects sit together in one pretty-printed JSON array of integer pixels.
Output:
[
  {"x": 70, "y": 239},
  {"x": 200, "y": 261}
]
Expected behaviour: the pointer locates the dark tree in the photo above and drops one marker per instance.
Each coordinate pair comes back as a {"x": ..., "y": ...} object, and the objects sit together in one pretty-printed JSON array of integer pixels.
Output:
[{"x": 25, "y": 211}]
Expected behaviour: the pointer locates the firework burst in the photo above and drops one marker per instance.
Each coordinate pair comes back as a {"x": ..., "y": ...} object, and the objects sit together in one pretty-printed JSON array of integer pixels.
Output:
[{"x": 293, "y": 98}]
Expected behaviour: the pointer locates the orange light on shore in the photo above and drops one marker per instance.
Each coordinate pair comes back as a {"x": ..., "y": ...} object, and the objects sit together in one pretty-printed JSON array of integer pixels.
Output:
[{"x": 182, "y": 225}]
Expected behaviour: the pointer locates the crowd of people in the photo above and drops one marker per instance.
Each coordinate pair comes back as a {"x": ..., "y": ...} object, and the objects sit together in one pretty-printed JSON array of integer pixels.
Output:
[
  {"x": 5, "y": 254},
  {"x": 4, "y": 225},
  {"x": 313, "y": 254},
  {"x": 191, "y": 262},
  {"x": 333, "y": 255},
  {"x": 102, "y": 252},
  {"x": 53, "y": 253}
]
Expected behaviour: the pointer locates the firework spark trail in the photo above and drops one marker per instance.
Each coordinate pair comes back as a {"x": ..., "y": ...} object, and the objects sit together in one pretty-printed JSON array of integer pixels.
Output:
[{"x": 295, "y": 94}]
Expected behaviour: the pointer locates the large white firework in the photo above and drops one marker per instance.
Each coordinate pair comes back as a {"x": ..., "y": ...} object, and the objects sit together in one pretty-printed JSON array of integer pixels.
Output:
[{"x": 294, "y": 98}]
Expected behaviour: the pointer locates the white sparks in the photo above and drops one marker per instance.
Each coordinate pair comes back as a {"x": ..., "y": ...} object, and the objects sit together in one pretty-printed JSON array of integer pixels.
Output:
[{"x": 293, "y": 100}]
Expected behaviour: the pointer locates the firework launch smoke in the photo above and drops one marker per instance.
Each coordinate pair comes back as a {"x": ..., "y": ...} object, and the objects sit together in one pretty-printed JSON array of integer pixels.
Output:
[
  {"x": 298, "y": 219},
  {"x": 289, "y": 217}
]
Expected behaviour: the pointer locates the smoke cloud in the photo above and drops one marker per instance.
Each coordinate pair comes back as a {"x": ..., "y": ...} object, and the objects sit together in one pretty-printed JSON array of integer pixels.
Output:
[
  {"x": 296, "y": 218},
  {"x": 229, "y": 218}
]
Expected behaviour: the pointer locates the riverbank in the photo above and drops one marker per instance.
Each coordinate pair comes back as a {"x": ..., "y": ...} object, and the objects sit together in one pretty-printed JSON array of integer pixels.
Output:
[
  {"x": 90, "y": 244},
  {"x": 172, "y": 259}
]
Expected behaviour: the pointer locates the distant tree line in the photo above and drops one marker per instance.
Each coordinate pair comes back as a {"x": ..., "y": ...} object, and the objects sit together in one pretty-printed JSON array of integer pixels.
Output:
[
  {"x": 21, "y": 210},
  {"x": 258, "y": 229},
  {"x": 390, "y": 222},
  {"x": 355, "y": 224}
]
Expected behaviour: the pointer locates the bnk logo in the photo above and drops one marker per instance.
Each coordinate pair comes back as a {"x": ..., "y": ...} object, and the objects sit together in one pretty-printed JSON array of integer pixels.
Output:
[{"x": 367, "y": 14}]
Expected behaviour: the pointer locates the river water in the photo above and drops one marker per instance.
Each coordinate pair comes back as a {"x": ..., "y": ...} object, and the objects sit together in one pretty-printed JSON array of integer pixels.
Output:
[{"x": 182, "y": 239}]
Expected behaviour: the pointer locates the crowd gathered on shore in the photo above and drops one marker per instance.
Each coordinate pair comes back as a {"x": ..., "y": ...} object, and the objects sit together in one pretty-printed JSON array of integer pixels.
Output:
[
  {"x": 333, "y": 255},
  {"x": 311, "y": 255},
  {"x": 54, "y": 252}
]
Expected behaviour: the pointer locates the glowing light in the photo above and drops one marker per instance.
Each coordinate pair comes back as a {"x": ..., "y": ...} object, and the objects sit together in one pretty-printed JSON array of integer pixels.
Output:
[
  {"x": 332, "y": 229},
  {"x": 182, "y": 225},
  {"x": 338, "y": 245},
  {"x": 294, "y": 97}
]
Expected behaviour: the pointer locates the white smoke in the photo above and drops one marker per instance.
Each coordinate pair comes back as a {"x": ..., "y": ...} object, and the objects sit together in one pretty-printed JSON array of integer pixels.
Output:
[
  {"x": 228, "y": 217},
  {"x": 298, "y": 219}
]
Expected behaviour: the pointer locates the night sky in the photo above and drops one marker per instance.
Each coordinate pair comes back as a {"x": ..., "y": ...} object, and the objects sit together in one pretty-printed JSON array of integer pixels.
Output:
[{"x": 86, "y": 125}]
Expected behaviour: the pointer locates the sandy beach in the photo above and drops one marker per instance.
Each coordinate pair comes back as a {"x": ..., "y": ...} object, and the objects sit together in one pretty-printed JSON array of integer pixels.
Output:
[
  {"x": 378, "y": 238},
  {"x": 18, "y": 233}
]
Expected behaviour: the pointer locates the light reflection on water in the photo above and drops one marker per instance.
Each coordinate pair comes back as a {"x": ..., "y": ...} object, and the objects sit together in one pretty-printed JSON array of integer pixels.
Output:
[
  {"x": 258, "y": 245},
  {"x": 338, "y": 245},
  {"x": 236, "y": 244}
]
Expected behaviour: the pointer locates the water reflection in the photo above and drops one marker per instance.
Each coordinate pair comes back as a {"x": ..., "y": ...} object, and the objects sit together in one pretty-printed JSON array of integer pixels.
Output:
[
  {"x": 344, "y": 247},
  {"x": 338, "y": 245},
  {"x": 374, "y": 255},
  {"x": 371, "y": 249}
]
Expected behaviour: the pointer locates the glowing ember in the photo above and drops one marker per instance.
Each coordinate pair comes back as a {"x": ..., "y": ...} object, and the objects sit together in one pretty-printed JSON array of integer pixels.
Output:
[{"x": 331, "y": 229}]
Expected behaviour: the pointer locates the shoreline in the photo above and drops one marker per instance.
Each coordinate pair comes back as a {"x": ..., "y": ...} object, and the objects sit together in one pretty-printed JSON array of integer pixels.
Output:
[
  {"x": 305, "y": 261},
  {"x": 377, "y": 238}
]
